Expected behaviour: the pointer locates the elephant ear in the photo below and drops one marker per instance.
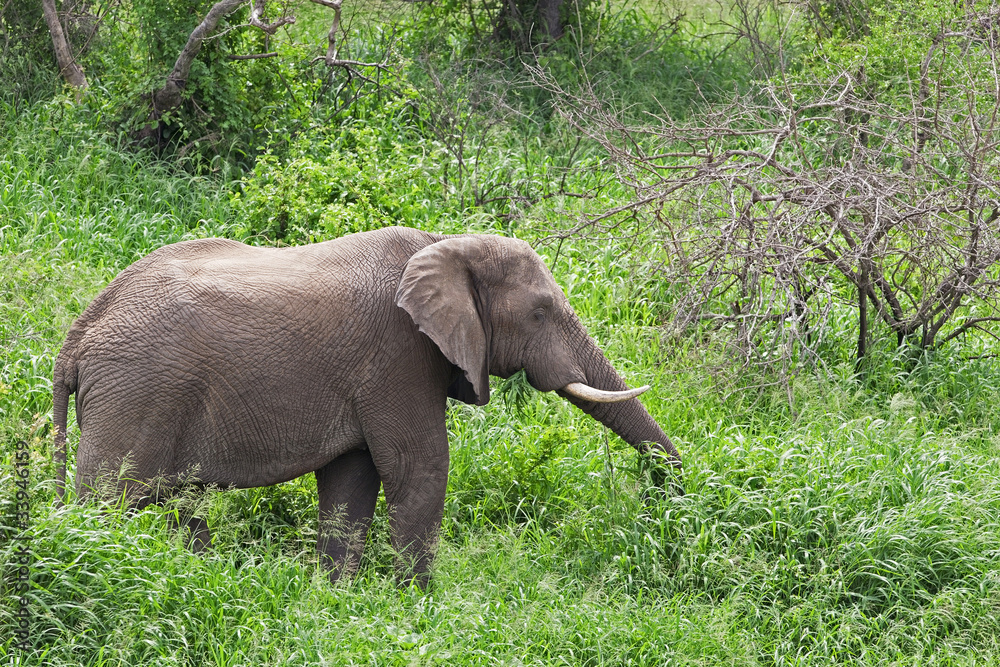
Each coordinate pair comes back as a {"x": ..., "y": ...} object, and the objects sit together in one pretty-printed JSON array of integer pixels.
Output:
[{"x": 438, "y": 291}]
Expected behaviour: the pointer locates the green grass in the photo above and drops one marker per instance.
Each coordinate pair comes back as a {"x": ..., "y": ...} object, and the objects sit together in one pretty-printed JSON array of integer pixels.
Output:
[
  {"x": 838, "y": 520},
  {"x": 855, "y": 542}
]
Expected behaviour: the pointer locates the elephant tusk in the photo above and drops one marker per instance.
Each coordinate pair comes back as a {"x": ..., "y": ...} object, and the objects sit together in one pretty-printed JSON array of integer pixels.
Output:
[{"x": 588, "y": 393}]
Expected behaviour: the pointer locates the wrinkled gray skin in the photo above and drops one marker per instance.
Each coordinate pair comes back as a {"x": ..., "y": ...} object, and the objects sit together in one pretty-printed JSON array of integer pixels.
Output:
[{"x": 247, "y": 366}]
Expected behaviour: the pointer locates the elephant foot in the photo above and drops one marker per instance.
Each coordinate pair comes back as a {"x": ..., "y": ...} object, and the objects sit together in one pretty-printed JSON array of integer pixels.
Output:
[
  {"x": 199, "y": 536},
  {"x": 420, "y": 580}
]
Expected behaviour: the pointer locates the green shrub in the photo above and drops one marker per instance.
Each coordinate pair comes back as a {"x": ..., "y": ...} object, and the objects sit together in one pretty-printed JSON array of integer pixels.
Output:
[{"x": 363, "y": 175}]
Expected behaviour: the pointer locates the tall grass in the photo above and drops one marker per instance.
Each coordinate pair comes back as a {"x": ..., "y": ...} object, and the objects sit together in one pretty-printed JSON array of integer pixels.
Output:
[{"x": 67, "y": 185}]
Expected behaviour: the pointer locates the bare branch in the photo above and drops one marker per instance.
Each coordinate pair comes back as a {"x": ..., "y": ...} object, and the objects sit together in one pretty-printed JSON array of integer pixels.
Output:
[
  {"x": 331, "y": 38},
  {"x": 257, "y": 19},
  {"x": 254, "y": 56},
  {"x": 169, "y": 96},
  {"x": 68, "y": 66},
  {"x": 799, "y": 194}
]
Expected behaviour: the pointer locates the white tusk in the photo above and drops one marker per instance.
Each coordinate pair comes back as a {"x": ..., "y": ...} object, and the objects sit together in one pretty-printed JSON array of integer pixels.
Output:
[{"x": 588, "y": 393}]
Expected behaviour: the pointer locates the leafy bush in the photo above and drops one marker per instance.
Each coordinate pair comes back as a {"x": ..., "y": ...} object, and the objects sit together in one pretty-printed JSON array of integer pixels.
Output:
[
  {"x": 358, "y": 177},
  {"x": 26, "y": 64}
]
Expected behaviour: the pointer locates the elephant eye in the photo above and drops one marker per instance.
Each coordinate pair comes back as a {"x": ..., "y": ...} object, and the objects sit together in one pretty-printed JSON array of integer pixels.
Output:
[{"x": 538, "y": 315}]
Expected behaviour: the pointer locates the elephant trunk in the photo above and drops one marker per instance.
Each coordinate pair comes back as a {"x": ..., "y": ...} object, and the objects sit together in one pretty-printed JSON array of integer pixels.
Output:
[{"x": 627, "y": 418}]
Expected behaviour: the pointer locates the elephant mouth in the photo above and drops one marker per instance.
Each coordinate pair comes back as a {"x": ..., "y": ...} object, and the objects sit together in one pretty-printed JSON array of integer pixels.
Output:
[{"x": 587, "y": 393}]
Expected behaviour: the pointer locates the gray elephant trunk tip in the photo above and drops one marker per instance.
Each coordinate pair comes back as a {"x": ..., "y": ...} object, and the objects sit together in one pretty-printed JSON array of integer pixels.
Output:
[{"x": 588, "y": 393}]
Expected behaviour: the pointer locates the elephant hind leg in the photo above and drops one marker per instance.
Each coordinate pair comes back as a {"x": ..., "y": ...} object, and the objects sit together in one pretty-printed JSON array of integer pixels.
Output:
[
  {"x": 348, "y": 489},
  {"x": 136, "y": 484},
  {"x": 111, "y": 472}
]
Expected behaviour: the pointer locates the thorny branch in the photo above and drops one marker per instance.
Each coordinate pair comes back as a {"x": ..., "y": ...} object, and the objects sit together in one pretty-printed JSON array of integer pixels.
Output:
[{"x": 802, "y": 193}]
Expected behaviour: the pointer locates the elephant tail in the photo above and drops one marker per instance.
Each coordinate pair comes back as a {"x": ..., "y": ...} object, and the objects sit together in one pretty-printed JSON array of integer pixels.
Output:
[{"x": 64, "y": 383}]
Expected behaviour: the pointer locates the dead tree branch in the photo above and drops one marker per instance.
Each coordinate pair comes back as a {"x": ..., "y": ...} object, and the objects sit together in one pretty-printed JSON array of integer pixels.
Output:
[
  {"x": 68, "y": 67},
  {"x": 803, "y": 193},
  {"x": 169, "y": 95}
]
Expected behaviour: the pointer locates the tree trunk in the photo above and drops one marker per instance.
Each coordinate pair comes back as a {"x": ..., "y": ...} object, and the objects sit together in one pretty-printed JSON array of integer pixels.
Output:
[
  {"x": 862, "y": 320},
  {"x": 520, "y": 22},
  {"x": 548, "y": 11},
  {"x": 68, "y": 67},
  {"x": 169, "y": 96}
]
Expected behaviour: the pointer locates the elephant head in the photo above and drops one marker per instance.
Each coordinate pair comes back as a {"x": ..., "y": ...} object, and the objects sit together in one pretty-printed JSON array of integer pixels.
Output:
[{"x": 492, "y": 307}]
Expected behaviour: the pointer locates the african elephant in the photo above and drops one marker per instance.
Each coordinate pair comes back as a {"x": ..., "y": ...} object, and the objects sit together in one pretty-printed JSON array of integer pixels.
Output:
[{"x": 242, "y": 366}]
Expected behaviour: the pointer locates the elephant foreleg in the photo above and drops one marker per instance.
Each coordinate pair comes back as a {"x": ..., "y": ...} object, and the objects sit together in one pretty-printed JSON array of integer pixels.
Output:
[
  {"x": 348, "y": 489},
  {"x": 415, "y": 495}
]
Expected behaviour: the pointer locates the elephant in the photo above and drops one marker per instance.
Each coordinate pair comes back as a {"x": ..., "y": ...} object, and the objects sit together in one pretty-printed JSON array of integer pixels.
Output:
[{"x": 212, "y": 362}]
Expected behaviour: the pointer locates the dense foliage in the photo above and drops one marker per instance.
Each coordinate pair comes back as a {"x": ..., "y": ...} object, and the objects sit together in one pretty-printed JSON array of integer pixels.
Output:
[{"x": 831, "y": 516}]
